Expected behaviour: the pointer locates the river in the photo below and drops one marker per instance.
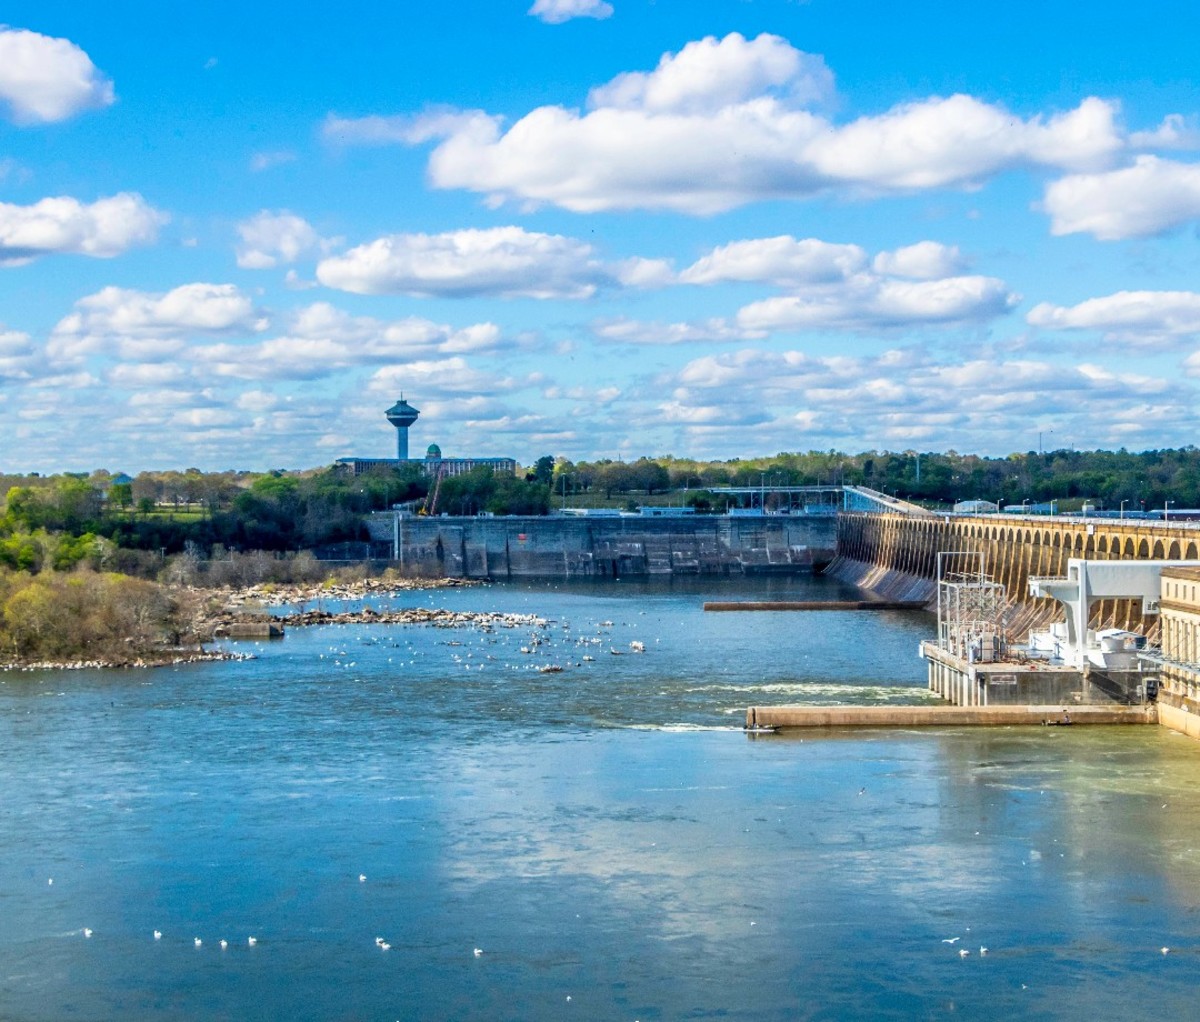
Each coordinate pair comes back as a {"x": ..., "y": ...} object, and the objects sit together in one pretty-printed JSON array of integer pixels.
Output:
[{"x": 600, "y": 842}]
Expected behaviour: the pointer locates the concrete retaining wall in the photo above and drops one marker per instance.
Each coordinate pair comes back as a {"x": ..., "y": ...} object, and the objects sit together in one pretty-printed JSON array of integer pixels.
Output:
[
  {"x": 1178, "y": 719},
  {"x": 521, "y": 547}
]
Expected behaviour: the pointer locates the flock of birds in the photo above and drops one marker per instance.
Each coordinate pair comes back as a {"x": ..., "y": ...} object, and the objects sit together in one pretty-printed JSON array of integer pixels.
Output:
[
  {"x": 962, "y": 951},
  {"x": 538, "y": 644},
  {"x": 478, "y": 952},
  {"x": 252, "y": 941}
]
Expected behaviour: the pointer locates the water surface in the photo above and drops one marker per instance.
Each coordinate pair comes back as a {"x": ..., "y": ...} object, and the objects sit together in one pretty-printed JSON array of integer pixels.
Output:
[{"x": 606, "y": 836}]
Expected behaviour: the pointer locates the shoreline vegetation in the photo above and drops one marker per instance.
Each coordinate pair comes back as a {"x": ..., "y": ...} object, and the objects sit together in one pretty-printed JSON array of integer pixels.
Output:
[{"x": 87, "y": 620}]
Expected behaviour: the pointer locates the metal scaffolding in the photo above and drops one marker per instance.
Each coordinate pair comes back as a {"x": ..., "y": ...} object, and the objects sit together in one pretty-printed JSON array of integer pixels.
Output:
[{"x": 970, "y": 609}]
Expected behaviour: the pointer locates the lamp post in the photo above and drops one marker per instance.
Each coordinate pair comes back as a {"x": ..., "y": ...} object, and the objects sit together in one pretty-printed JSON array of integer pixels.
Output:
[
  {"x": 1123, "y": 503},
  {"x": 1167, "y": 510},
  {"x": 1025, "y": 506}
]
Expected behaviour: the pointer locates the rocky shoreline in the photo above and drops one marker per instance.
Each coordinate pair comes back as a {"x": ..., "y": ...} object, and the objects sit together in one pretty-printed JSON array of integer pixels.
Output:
[
  {"x": 274, "y": 594},
  {"x": 224, "y": 610}
]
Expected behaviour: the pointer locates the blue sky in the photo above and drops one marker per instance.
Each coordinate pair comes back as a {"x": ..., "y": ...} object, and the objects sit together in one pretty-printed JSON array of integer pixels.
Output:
[{"x": 231, "y": 235}]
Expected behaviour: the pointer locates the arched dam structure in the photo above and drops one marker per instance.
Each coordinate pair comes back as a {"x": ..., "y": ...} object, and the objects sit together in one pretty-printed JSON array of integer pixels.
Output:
[{"x": 896, "y": 557}]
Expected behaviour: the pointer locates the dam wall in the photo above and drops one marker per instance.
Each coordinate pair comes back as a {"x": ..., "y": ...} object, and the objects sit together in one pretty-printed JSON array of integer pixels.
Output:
[
  {"x": 630, "y": 546},
  {"x": 896, "y": 557}
]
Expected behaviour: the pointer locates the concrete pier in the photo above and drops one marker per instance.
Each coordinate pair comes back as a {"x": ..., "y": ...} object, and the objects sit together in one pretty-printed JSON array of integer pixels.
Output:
[
  {"x": 720, "y": 605},
  {"x": 782, "y": 717}
]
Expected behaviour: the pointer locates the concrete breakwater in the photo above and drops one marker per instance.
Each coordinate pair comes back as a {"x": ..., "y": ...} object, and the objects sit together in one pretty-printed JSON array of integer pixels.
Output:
[
  {"x": 817, "y": 605},
  {"x": 784, "y": 717},
  {"x": 563, "y": 547}
]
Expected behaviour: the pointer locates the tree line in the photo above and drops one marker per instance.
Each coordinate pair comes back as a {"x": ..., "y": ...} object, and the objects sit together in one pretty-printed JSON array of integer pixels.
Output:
[{"x": 60, "y": 521}]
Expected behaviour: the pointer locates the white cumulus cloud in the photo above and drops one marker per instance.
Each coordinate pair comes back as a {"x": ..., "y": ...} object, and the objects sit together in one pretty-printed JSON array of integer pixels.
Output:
[
  {"x": 321, "y": 339},
  {"x": 1128, "y": 316},
  {"x": 926, "y": 260},
  {"x": 1151, "y": 197},
  {"x": 784, "y": 260},
  {"x": 150, "y": 326},
  {"x": 838, "y": 286},
  {"x": 630, "y": 331},
  {"x": 269, "y": 239},
  {"x": 102, "y": 229},
  {"x": 709, "y": 75},
  {"x": 728, "y": 121},
  {"x": 881, "y": 303},
  {"x": 502, "y": 261},
  {"x": 18, "y": 356},
  {"x": 1175, "y": 132},
  {"x": 555, "y": 12},
  {"x": 45, "y": 79}
]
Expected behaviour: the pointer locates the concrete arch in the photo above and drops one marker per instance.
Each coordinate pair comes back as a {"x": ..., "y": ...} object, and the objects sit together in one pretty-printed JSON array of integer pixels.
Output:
[
  {"x": 1189, "y": 553},
  {"x": 1128, "y": 551},
  {"x": 1157, "y": 553},
  {"x": 1143, "y": 550},
  {"x": 1173, "y": 551}
]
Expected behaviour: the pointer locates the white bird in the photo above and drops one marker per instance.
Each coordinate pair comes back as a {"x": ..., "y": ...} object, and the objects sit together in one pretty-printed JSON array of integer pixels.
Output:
[
  {"x": 50, "y": 882},
  {"x": 224, "y": 944},
  {"x": 158, "y": 934},
  {"x": 478, "y": 951},
  {"x": 362, "y": 878},
  {"x": 385, "y": 946},
  {"x": 983, "y": 951},
  {"x": 951, "y": 940},
  {"x": 963, "y": 953},
  {"x": 379, "y": 942},
  {"x": 197, "y": 941},
  {"x": 252, "y": 941},
  {"x": 1165, "y": 950},
  {"x": 87, "y": 932}
]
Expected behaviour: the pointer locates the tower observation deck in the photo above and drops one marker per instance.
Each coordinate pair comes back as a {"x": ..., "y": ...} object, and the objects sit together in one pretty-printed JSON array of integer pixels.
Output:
[{"x": 402, "y": 415}]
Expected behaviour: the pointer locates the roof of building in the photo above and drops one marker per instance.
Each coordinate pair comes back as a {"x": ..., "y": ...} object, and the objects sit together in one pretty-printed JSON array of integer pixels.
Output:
[{"x": 404, "y": 411}]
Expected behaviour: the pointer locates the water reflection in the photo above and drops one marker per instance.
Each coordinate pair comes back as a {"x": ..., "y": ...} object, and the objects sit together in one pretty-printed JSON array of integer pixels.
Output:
[{"x": 598, "y": 833}]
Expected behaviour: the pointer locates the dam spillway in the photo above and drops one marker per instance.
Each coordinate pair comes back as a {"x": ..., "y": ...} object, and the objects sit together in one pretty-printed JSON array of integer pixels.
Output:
[{"x": 629, "y": 546}]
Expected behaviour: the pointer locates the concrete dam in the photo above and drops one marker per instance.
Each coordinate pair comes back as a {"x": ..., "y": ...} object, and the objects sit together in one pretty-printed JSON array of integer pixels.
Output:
[
  {"x": 891, "y": 554},
  {"x": 604, "y": 547},
  {"x": 895, "y": 556}
]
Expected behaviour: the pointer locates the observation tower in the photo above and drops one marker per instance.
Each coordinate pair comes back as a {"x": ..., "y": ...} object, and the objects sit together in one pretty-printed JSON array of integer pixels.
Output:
[{"x": 402, "y": 415}]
